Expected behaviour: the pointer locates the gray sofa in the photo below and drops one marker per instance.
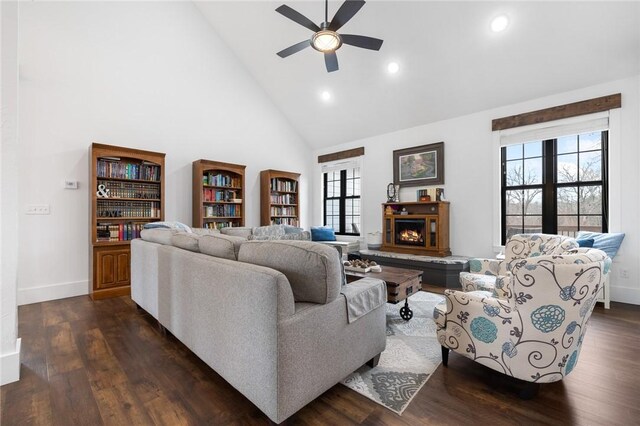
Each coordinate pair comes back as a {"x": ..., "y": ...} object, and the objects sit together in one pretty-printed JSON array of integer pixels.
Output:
[{"x": 275, "y": 324}]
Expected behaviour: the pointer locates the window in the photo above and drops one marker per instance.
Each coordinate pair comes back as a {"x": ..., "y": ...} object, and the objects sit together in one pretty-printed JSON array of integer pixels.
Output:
[
  {"x": 555, "y": 186},
  {"x": 342, "y": 201}
]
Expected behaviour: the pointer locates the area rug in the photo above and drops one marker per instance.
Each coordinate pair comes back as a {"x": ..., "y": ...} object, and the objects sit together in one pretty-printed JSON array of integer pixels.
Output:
[{"x": 412, "y": 355}]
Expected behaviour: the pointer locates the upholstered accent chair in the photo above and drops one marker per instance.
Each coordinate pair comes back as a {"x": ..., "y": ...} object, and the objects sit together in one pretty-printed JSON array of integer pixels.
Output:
[
  {"x": 488, "y": 274},
  {"x": 535, "y": 332}
]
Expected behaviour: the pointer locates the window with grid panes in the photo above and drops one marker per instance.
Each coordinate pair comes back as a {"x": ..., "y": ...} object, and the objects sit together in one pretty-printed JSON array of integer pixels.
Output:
[
  {"x": 342, "y": 201},
  {"x": 555, "y": 186}
]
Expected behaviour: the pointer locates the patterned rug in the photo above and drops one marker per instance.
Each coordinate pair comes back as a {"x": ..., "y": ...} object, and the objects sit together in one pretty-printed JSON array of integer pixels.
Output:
[{"x": 412, "y": 355}]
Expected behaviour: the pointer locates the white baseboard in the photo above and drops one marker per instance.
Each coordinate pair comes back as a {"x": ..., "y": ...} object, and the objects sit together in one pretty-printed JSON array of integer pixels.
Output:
[
  {"x": 10, "y": 365},
  {"x": 52, "y": 292},
  {"x": 625, "y": 295}
]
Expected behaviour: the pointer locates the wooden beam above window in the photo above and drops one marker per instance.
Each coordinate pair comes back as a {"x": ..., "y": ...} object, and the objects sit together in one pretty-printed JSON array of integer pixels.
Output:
[
  {"x": 335, "y": 156},
  {"x": 575, "y": 109}
]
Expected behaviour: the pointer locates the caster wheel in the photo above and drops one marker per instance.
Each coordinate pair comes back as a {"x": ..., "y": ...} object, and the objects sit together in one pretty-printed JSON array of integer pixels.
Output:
[{"x": 406, "y": 313}]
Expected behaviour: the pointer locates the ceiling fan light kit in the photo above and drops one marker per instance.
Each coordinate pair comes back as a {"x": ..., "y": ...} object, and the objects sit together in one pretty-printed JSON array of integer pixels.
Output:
[{"x": 326, "y": 38}]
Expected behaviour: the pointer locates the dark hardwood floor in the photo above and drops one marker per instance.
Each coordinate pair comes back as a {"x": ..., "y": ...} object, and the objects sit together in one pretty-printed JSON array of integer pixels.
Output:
[{"x": 104, "y": 362}]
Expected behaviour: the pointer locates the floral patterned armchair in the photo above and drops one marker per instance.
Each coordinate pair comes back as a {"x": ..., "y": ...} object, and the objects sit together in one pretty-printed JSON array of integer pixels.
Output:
[
  {"x": 488, "y": 274},
  {"x": 535, "y": 333}
]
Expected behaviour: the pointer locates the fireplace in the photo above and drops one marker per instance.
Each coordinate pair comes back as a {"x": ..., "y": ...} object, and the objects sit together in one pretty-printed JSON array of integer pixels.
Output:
[{"x": 410, "y": 232}]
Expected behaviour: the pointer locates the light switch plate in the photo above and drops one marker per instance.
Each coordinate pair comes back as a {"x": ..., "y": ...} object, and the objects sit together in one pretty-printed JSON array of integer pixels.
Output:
[
  {"x": 41, "y": 209},
  {"x": 70, "y": 184}
]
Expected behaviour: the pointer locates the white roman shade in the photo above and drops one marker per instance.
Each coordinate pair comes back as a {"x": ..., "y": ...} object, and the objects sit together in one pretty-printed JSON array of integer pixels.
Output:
[
  {"x": 555, "y": 129},
  {"x": 351, "y": 163}
]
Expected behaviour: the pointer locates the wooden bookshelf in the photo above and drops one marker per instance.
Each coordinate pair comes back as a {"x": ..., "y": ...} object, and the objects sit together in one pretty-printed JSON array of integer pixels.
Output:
[
  {"x": 279, "y": 198},
  {"x": 133, "y": 194},
  {"x": 218, "y": 194}
]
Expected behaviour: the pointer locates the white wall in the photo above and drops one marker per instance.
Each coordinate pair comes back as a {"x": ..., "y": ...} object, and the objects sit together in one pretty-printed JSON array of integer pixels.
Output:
[
  {"x": 149, "y": 75},
  {"x": 469, "y": 166},
  {"x": 9, "y": 344}
]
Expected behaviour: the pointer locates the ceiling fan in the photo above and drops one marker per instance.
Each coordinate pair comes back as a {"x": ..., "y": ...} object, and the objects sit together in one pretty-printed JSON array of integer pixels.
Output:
[{"x": 325, "y": 38}]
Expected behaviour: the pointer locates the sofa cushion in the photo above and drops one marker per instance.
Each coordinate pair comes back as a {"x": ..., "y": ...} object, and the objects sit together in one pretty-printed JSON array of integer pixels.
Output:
[
  {"x": 224, "y": 246},
  {"x": 185, "y": 241},
  {"x": 301, "y": 236},
  {"x": 205, "y": 231},
  {"x": 158, "y": 235},
  {"x": 241, "y": 231},
  {"x": 313, "y": 270}
]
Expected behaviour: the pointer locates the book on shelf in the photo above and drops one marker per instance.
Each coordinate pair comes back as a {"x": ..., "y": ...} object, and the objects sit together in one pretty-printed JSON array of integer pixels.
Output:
[
  {"x": 283, "y": 185},
  {"x": 213, "y": 195},
  {"x": 219, "y": 225},
  {"x": 222, "y": 210},
  {"x": 118, "y": 232},
  {"x": 106, "y": 207},
  {"x": 283, "y": 211},
  {"x": 284, "y": 221},
  {"x": 283, "y": 199},
  {"x": 107, "y": 168},
  {"x": 221, "y": 180},
  {"x": 130, "y": 189}
]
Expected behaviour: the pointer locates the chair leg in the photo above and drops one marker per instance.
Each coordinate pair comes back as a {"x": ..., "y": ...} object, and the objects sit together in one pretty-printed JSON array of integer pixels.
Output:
[
  {"x": 445, "y": 356},
  {"x": 374, "y": 361},
  {"x": 529, "y": 391}
]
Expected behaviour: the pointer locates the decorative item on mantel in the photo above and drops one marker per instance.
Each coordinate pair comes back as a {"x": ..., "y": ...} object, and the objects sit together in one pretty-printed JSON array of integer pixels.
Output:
[
  {"x": 430, "y": 194},
  {"x": 393, "y": 193}
]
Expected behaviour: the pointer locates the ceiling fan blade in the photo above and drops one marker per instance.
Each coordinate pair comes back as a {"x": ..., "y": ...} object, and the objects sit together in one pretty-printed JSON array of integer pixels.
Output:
[
  {"x": 348, "y": 9},
  {"x": 362, "y": 41},
  {"x": 297, "y": 17},
  {"x": 331, "y": 61},
  {"x": 294, "y": 49}
]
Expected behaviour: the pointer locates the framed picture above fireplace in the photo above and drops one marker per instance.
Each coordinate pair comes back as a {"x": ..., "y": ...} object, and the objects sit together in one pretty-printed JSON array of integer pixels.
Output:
[{"x": 419, "y": 166}]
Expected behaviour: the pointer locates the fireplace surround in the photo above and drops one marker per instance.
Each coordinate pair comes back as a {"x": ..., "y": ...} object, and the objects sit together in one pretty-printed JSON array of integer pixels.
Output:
[{"x": 420, "y": 228}]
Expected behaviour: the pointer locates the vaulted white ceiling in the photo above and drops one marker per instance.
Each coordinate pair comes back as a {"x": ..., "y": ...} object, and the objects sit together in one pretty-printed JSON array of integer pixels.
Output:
[{"x": 451, "y": 63}]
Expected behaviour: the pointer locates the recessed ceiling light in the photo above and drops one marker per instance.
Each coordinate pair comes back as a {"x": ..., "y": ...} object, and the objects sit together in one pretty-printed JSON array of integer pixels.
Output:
[
  {"x": 393, "y": 67},
  {"x": 325, "y": 95},
  {"x": 499, "y": 23}
]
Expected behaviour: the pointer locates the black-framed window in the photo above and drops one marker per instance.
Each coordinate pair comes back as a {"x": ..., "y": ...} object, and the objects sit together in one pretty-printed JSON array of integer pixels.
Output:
[
  {"x": 555, "y": 186},
  {"x": 341, "y": 200}
]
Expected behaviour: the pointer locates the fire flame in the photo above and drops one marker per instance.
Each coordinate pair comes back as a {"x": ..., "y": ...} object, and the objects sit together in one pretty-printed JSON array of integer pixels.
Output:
[{"x": 410, "y": 236}]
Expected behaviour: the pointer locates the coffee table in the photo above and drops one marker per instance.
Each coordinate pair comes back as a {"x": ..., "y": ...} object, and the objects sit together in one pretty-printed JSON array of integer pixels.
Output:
[{"x": 401, "y": 283}]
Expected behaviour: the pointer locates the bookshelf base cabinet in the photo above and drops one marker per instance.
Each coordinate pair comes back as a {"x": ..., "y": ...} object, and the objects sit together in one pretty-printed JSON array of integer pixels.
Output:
[
  {"x": 126, "y": 192},
  {"x": 111, "y": 272}
]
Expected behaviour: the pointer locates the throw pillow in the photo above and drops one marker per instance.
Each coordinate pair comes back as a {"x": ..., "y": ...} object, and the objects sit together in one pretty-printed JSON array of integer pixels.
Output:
[
  {"x": 168, "y": 225},
  {"x": 288, "y": 229},
  {"x": 224, "y": 246},
  {"x": 269, "y": 231},
  {"x": 588, "y": 242},
  {"x": 608, "y": 243},
  {"x": 237, "y": 231},
  {"x": 322, "y": 233}
]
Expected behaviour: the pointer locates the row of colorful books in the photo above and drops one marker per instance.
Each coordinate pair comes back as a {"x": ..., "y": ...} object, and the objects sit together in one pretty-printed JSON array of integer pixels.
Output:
[
  {"x": 114, "y": 208},
  {"x": 284, "y": 221},
  {"x": 118, "y": 232},
  {"x": 283, "y": 199},
  {"x": 221, "y": 180},
  {"x": 122, "y": 170},
  {"x": 220, "y": 225},
  {"x": 224, "y": 210},
  {"x": 284, "y": 211},
  {"x": 131, "y": 190},
  {"x": 209, "y": 194},
  {"x": 283, "y": 185}
]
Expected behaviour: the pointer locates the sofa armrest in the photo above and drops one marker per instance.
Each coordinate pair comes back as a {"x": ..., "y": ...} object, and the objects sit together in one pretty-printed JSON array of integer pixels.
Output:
[
  {"x": 487, "y": 266},
  {"x": 473, "y": 320},
  {"x": 363, "y": 296}
]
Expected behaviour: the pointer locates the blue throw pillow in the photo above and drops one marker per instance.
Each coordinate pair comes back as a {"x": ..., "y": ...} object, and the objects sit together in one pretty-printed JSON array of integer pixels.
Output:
[
  {"x": 608, "y": 243},
  {"x": 322, "y": 233},
  {"x": 588, "y": 242}
]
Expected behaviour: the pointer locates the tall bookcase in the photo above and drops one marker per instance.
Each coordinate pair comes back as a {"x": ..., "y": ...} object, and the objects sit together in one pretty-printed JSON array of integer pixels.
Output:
[
  {"x": 126, "y": 191},
  {"x": 218, "y": 194},
  {"x": 279, "y": 198}
]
